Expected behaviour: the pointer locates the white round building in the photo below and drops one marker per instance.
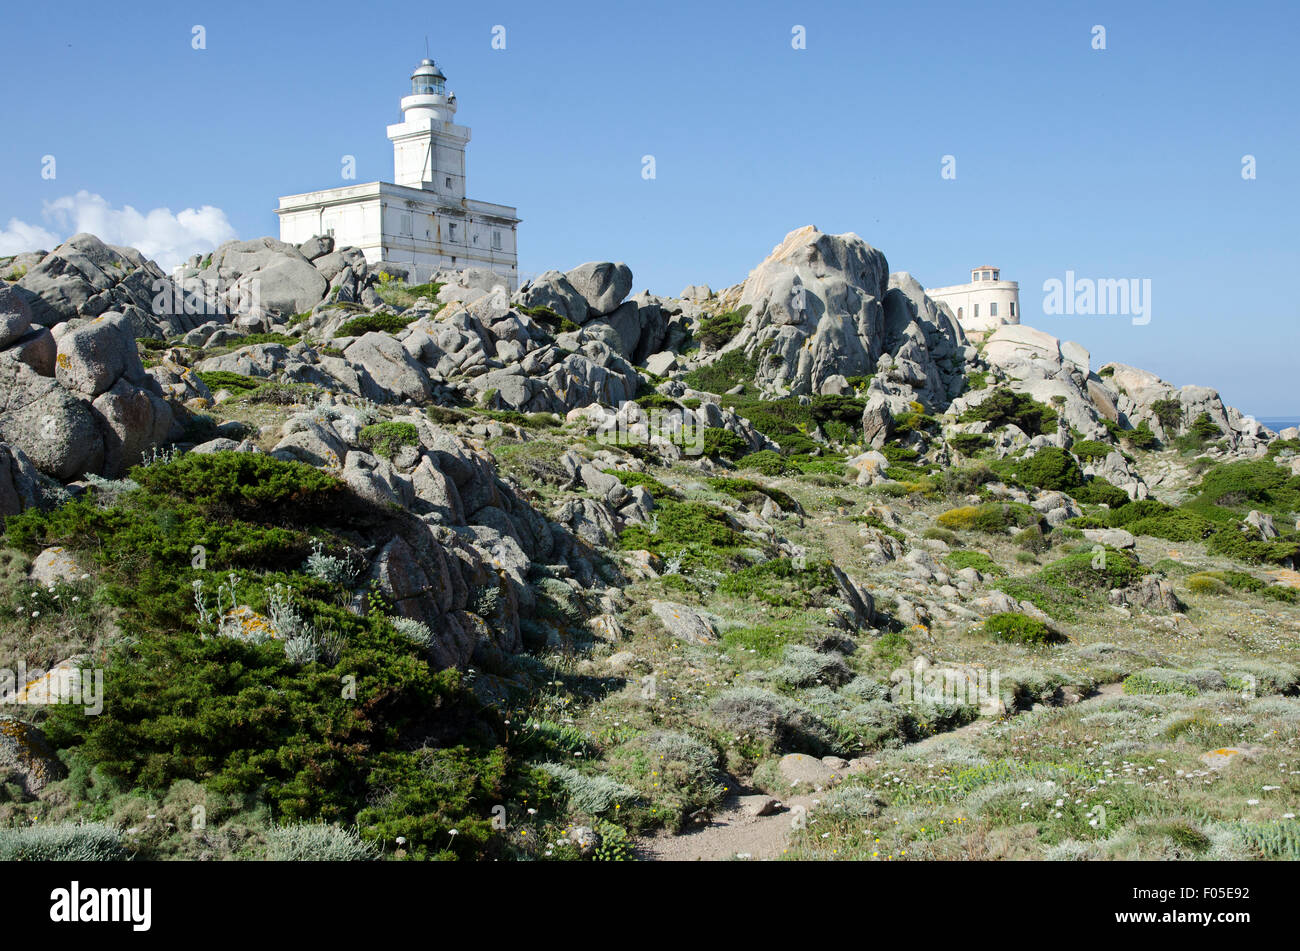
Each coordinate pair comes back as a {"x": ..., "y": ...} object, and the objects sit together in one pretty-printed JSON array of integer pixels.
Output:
[{"x": 984, "y": 304}]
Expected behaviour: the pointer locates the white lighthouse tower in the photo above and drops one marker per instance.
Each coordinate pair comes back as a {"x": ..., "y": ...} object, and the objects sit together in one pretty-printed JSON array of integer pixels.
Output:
[
  {"x": 428, "y": 146},
  {"x": 422, "y": 219}
]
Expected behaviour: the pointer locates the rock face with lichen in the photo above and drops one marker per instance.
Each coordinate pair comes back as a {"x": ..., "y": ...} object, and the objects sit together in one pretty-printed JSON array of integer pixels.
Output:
[{"x": 27, "y": 756}]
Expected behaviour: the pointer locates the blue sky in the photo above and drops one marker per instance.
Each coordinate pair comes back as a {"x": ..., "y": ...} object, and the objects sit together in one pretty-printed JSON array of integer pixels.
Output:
[{"x": 1119, "y": 163}]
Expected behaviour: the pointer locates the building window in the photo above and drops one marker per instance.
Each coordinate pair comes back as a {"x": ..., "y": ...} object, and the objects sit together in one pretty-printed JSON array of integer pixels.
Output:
[
  {"x": 959, "y": 313},
  {"x": 449, "y": 181},
  {"x": 451, "y": 232},
  {"x": 496, "y": 239},
  {"x": 977, "y": 310},
  {"x": 1013, "y": 308},
  {"x": 993, "y": 309},
  {"x": 407, "y": 225}
]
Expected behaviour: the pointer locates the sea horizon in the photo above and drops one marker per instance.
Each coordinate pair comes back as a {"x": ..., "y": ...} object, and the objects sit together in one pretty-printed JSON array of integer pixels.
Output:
[{"x": 1279, "y": 423}]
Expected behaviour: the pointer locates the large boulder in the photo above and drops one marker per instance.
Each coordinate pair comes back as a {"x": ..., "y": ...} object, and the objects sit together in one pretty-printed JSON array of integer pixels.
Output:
[
  {"x": 15, "y": 315},
  {"x": 25, "y": 753},
  {"x": 814, "y": 311},
  {"x": 59, "y": 432},
  {"x": 1012, "y": 346},
  {"x": 133, "y": 420},
  {"x": 20, "y": 481},
  {"x": 553, "y": 291},
  {"x": 95, "y": 355},
  {"x": 265, "y": 277},
  {"x": 391, "y": 373},
  {"x": 85, "y": 276},
  {"x": 603, "y": 284}
]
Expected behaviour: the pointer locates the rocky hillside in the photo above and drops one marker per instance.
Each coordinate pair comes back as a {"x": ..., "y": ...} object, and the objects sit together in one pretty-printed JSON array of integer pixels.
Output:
[{"x": 368, "y": 569}]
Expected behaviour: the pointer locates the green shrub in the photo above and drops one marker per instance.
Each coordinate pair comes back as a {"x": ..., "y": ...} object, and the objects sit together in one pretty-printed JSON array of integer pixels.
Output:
[
  {"x": 717, "y": 331},
  {"x": 1049, "y": 468},
  {"x": 729, "y": 370},
  {"x": 968, "y": 558},
  {"x": 1281, "y": 593},
  {"x": 226, "y": 480},
  {"x": 1227, "y": 490},
  {"x": 1098, "y": 491},
  {"x": 1032, "y": 539},
  {"x": 768, "y": 462},
  {"x": 746, "y": 490},
  {"x": 1078, "y": 581},
  {"x": 1142, "y": 437},
  {"x": 1091, "y": 450},
  {"x": 249, "y": 340},
  {"x": 236, "y": 383},
  {"x": 420, "y": 795},
  {"x": 724, "y": 443},
  {"x": 317, "y": 842},
  {"x": 907, "y": 423},
  {"x": 968, "y": 444},
  {"x": 550, "y": 319},
  {"x": 384, "y": 439},
  {"x": 590, "y": 794},
  {"x": 1169, "y": 412},
  {"x": 1019, "y": 629},
  {"x": 62, "y": 842},
  {"x": 657, "y": 489},
  {"x": 990, "y": 517},
  {"x": 697, "y": 532},
  {"x": 374, "y": 323},
  {"x": 779, "y": 583},
  {"x": 1005, "y": 406}
]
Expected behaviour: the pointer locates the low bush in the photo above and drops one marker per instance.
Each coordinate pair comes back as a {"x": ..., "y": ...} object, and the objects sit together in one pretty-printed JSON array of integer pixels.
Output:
[
  {"x": 1020, "y": 629},
  {"x": 1091, "y": 450},
  {"x": 646, "y": 481},
  {"x": 967, "y": 558},
  {"x": 746, "y": 490},
  {"x": 1076, "y": 582},
  {"x": 717, "y": 331},
  {"x": 992, "y": 517},
  {"x": 1049, "y": 468},
  {"x": 731, "y": 369},
  {"x": 723, "y": 443},
  {"x": 63, "y": 842},
  {"x": 779, "y": 583},
  {"x": 384, "y": 439},
  {"x": 317, "y": 842},
  {"x": 236, "y": 383},
  {"x": 374, "y": 323},
  {"x": 776, "y": 722},
  {"x": 1005, "y": 406},
  {"x": 697, "y": 532},
  {"x": 968, "y": 444},
  {"x": 769, "y": 462},
  {"x": 1098, "y": 491}
]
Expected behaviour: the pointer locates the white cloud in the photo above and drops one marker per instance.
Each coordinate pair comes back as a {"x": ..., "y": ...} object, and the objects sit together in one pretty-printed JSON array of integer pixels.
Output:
[
  {"x": 168, "y": 239},
  {"x": 19, "y": 236}
]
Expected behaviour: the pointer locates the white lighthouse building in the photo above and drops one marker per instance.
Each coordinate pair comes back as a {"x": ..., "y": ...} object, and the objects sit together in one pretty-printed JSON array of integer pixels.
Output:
[
  {"x": 984, "y": 304},
  {"x": 422, "y": 219}
]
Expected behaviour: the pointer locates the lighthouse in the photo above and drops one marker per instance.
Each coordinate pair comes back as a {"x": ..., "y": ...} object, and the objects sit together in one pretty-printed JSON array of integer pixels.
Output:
[
  {"x": 428, "y": 146},
  {"x": 422, "y": 219}
]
